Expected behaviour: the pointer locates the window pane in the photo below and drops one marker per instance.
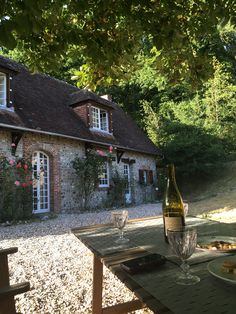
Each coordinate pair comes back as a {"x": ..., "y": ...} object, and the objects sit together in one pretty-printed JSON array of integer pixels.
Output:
[
  {"x": 95, "y": 117},
  {"x": 126, "y": 177},
  {"x": 103, "y": 118},
  {"x": 145, "y": 177},
  {"x": 126, "y": 173},
  {"x": 99, "y": 119},
  {"x": 104, "y": 177},
  {"x": 40, "y": 187}
]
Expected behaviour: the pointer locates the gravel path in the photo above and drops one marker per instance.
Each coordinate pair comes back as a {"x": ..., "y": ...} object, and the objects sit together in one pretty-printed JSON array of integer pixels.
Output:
[{"x": 58, "y": 266}]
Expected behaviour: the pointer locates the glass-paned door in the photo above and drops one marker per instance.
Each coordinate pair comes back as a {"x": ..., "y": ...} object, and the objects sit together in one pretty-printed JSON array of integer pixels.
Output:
[
  {"x": 128, "y": 187},
  {"x": 41, "y": 197}
]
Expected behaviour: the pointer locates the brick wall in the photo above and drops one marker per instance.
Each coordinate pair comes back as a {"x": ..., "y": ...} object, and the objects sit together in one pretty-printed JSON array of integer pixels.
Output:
[
  {"x": 82, "y": 112},
  {"x": 5, "y": 145},
  {"x": 49, "y": 146}
]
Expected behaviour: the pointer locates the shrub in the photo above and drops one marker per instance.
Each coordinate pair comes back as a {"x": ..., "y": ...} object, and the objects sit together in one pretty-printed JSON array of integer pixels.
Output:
[
  {"x": 15, "y": 189},
  {"x": 116, "y": 191},
  {"x": 88, "y": 170}
]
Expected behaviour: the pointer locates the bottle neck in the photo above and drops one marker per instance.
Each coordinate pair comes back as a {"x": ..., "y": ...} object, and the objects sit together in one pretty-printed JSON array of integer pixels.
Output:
[{"x": 171, "y": 173}]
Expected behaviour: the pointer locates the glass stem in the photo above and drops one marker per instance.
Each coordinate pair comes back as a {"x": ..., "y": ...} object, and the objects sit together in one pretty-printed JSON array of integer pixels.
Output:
[
  {"x": 185, "y": 268},
  {"x": 121, "y": 234}
]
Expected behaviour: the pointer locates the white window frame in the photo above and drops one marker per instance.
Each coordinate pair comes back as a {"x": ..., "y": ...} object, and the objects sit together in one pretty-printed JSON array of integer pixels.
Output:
[
  {"x": 96, "y": 115},
  {"x": 105, "y": 176},
  {"x": 145, "y": 177},
  {"x": 126, "y": 172},
  {"x": 4, "y": 91},
  {"x": 41, "y": 183}
]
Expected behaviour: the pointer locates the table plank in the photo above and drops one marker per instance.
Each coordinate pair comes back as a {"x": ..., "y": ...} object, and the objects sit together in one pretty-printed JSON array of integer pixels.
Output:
[{"x": 157, "y": 288}]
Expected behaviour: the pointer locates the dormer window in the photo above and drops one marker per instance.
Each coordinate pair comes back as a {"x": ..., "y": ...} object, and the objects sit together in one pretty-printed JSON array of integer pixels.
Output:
[
  {"x": 3, "y": 90},
  {"x": 95, "y": 111},
  {"x": 99, "y": 119}
]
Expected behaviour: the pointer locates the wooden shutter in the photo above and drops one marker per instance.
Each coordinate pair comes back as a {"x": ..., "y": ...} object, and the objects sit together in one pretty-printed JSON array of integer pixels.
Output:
[
  {"x": 150, "y": 177},
  {"x": 141, "y": 176},
  {"x": 110, "y": 122},
  {"x": 90, "y": 116}
]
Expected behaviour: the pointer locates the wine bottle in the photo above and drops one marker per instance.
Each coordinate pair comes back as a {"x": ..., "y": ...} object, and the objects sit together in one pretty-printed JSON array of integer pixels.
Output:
[{"x": 172, "y": 207}]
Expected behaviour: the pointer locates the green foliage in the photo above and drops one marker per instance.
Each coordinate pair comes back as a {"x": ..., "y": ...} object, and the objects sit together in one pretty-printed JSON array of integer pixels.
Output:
[
  {"x": 197, "y": 130},
  {"x": 116, "y": 191},
  {"x": 63, "y": 70},
  {"x": 219, "y": 98},
  {"x": 15, "y": 189},
  {"x": 171, "y": 66},
  {"x": 107, "y": 35},
  {"x": 88, "y": 170}
]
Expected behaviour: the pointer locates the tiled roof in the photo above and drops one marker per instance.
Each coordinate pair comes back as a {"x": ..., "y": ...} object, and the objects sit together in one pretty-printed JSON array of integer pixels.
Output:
[
  {"x": 10, "y": 64},
  {"x": 84, "y": 95},
  {"x": 43, "y": 104}
]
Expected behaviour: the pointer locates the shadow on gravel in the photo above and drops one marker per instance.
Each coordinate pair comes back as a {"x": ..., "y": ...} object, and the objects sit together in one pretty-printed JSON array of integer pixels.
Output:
[
  {"x": 56, "y": 226},
  {"x": 65, "y": 222}
]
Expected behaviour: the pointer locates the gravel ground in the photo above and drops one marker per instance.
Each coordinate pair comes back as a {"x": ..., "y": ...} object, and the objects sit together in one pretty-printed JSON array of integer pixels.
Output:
[{"x": 58, "y": 266}]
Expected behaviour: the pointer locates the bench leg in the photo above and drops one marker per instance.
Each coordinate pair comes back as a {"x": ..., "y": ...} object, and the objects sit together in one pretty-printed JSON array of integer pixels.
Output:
[
  {"x": 97, "y": 285},
  {"x": 7, "y": 306}
]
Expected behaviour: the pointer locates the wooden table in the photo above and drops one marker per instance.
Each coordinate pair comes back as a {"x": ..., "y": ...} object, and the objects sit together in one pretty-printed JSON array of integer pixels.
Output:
[{"x": 157, "y": 289}]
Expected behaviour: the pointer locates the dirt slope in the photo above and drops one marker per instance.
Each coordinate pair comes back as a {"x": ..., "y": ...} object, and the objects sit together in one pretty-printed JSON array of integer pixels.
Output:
[{"x": 218, "y": 194}]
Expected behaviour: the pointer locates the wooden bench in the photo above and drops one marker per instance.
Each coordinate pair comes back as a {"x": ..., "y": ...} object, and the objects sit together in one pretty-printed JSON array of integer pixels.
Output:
[{"x": 7, "y": 291}]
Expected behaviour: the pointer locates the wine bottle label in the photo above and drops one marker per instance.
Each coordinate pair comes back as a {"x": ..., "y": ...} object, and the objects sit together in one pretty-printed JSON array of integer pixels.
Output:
[{"x": 173, "y": 223}]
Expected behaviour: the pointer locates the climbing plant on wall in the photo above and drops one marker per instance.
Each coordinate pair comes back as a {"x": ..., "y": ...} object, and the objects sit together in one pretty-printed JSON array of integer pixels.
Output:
[
  {"x": 15, "y": 189},
  {"x": 88, "y": 170}
]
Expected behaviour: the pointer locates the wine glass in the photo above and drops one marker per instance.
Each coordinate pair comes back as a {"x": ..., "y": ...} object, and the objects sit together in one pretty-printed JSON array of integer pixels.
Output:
[
  {"x": 119, "y": 219},
  {"x": 185, "y": 209},
  {"x": 183, "y": 242}
]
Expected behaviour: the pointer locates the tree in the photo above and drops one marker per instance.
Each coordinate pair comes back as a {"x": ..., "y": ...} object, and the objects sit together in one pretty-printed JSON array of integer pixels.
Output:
[
  {"x": 220, "y": 97},
  {"x": 196, "y": 130},
  {"x": 219, "y": 101},
  {"x": 108, "y": 33}
]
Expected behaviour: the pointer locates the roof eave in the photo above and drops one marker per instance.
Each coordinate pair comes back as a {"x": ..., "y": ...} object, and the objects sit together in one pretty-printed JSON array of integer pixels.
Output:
[{"x": 19, "y": 128}]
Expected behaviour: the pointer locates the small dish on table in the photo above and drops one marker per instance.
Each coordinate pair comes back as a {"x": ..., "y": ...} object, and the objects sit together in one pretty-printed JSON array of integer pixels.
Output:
[
  {"x": 218, "y": 269},
  {"x": 217, "y": 243}
]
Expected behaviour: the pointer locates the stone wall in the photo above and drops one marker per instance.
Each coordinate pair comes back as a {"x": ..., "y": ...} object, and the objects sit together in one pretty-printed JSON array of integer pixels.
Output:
[
  {"x": 5, "y": 145},
  {"x": 69, "y": 150},
  {"x": 140, "y": 193},
  {"x": 61, "y": 152}
]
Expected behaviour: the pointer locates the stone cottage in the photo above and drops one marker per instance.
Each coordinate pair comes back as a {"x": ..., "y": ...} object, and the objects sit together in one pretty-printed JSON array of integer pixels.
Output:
[{"x": 52, "y": 122}]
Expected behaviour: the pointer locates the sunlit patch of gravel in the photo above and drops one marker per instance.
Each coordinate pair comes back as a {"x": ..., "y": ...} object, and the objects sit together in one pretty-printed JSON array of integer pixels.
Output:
[
  {"x": 223, "y": 215},
  {"x": 58, "y": 266}
]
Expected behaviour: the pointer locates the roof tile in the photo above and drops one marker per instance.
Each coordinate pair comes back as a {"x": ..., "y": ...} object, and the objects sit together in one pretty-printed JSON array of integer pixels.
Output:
[{"x": 42, "y": 103}]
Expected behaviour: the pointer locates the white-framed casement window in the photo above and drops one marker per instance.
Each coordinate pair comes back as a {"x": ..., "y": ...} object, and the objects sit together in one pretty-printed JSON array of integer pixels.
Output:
[
  {"x": 126, "y": 172},
  {"x": 100, "y": 119},
  {"x": 3, "y": 90},
  {"x": 41, "y": 182},
  {"x": 104, "y": 178}
]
